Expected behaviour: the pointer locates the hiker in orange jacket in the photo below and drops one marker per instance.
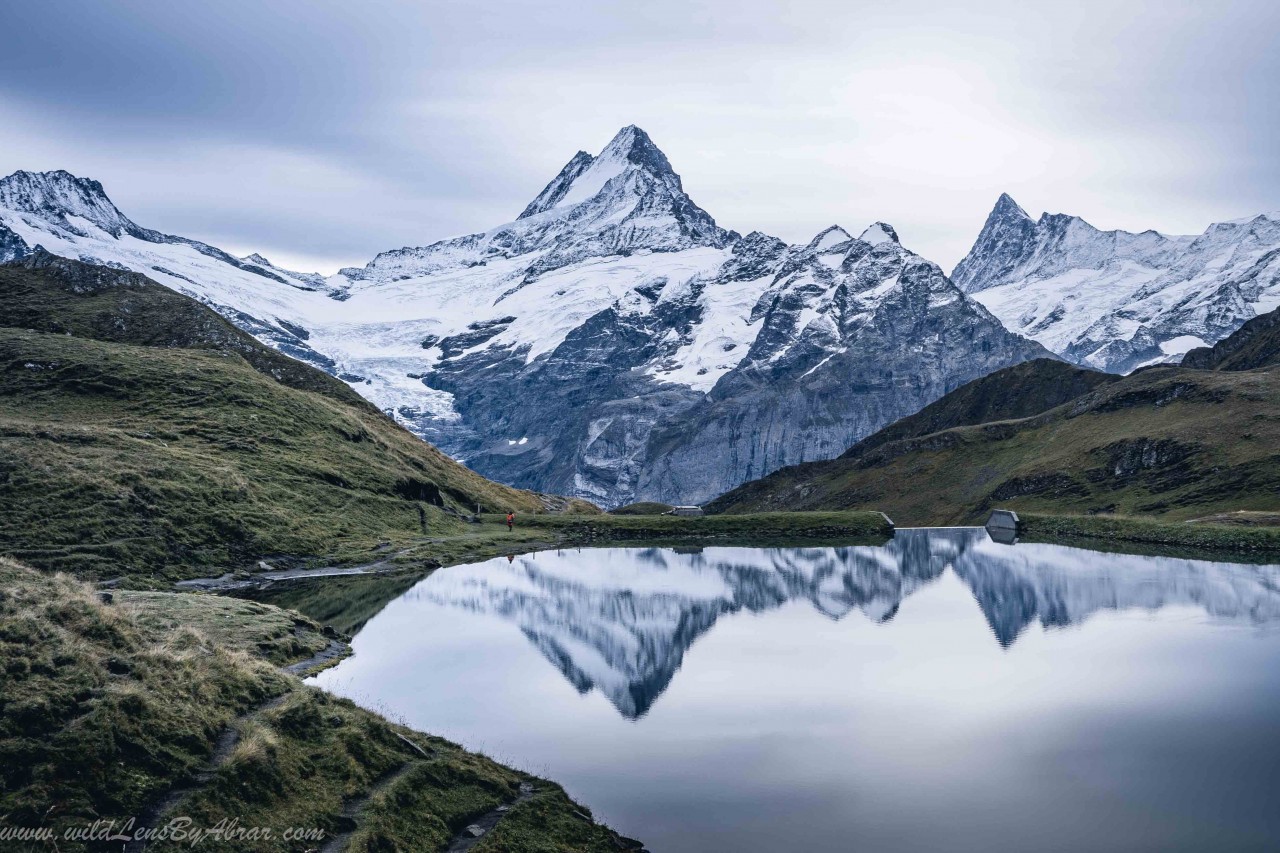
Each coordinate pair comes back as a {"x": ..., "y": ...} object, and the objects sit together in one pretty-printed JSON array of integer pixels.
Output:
[{"x": 511, "y": 520}]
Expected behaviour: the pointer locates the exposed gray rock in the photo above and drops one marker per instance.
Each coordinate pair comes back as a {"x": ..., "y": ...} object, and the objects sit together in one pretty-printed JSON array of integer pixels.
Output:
[
  {"x": 1113, "y": 300},
  {"x": 612, "y": 343}
]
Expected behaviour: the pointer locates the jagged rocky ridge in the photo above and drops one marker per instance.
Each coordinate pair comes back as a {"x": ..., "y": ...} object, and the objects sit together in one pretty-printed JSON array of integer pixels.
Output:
[
  {"x": 1113, "y": 300},
  {"x": 620, "y": 621},
  {"x": 611, "y": 343},
  {"x": 1043, "y": 436}
]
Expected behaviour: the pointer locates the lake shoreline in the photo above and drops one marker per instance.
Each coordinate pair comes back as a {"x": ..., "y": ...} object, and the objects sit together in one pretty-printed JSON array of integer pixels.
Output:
[
  {"x": 629, "y": 656},
  {"x": 1208, "y": 539},
  {"x": 209, "y": 686}
]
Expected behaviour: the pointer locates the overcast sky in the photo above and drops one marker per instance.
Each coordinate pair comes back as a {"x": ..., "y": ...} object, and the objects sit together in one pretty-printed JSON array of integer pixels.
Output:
[{"x": 322, "y": 133}]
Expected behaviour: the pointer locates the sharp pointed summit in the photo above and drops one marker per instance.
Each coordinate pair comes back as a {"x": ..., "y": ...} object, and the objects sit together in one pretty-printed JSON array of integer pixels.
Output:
[
  {"x": 832, "y": 235},
  {"x": 612, "y": 343},
  {"x": 625, "y": 199},
  {"x": 1005, "y": 207},
  {"x": 631, "y": 161},
  {"x": 1003, "y": 240},
  {"x": 638, "y": 148}
]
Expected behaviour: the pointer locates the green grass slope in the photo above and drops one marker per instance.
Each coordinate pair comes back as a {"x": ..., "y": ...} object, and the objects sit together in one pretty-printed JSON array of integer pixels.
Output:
[
  {"x": 1166, "y": 442},
  {"x": 108, "y": 708},
  {"x": 140, "y": 434},
  {"x": 47, "y": 293},
  {"x": 1019, "y": 391}
]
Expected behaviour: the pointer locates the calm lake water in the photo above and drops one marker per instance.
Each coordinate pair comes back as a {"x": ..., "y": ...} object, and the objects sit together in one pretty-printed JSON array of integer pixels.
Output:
[{"x": 940, "y": 692}]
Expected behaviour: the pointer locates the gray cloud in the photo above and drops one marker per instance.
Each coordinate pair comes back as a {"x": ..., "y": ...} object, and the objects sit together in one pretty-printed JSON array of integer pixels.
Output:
[{"x": 322, "y": 133}]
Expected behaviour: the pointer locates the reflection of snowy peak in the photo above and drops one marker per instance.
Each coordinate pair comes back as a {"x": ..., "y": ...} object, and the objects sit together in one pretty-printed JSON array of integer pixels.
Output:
[
  {"x": 1059, "y": 586},
  {"x": 612, "y": 342},
  {"x": 1114, "y": 300},
  {"x": 621, "y": 620}
]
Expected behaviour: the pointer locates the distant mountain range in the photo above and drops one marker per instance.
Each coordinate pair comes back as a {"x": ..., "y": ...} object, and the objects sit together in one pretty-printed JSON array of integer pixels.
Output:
[
  {"x": 611, "y": 343},
  {"x": 614, "y": 343},
  {"x": 1115, "y": 301},
  {"x": 1175, "y": 441}
]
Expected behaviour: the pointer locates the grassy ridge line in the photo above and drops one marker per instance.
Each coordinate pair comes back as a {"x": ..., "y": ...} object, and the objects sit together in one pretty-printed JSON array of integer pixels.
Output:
[
  {"x": 1165, "y": 442},
  {"x": 142, "y": 434},
  {"x": 1212, "y": 538},
  {"x": 47, "y": 293},
  {"x": 755, "y": 526},
  {"x": 120, "y": 459},
  {"x": 1020, "y": 391},
  {"x": 105, "y": 707}
]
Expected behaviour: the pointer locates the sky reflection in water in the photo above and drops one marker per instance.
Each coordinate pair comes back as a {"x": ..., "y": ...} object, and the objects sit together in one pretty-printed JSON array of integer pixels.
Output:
[{"x": 939, "y": 692}]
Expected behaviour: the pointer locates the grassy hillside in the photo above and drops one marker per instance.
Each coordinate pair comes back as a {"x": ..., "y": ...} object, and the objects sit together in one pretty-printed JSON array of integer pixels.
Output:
[
  {"x": 1167, "y": 442},
  {"x": 187, "y": 447},
  {"x": 48, "y": 293},
  {"x": 1208, "y": 538},
  {"x": 1019, "y": 391},
  {"x": 157, "y": 705}
]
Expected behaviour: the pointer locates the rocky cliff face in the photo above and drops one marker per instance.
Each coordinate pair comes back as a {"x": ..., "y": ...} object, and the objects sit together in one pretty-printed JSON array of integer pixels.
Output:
[
  {"x": 855, "y": 333},
  {"x": 612, "y": 342},
  {"x": 1114, "y": 300}
]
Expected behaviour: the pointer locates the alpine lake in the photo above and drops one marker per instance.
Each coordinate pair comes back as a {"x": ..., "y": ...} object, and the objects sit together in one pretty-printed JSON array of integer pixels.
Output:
[{"x": 940, "y": 691}]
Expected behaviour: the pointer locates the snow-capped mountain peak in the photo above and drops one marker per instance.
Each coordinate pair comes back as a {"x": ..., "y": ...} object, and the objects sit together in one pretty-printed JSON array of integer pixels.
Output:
[
  {"x": 74, "y": 203},
  {"x": 612, "y": 343},
  {"x": 1006, "y": 207},
  {"x": 829, "y": 238},
  {"x": 625, "y": 199},
  {"x": 585, "y": 177},
  {"x": 1001, "y": 243},
  {"x": 879, "y": 232},
  {"x": 1117, "y": 300}
]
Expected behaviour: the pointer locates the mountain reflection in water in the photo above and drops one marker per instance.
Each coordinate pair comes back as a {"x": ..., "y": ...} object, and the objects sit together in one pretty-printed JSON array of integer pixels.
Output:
[{"x": 620, "y": 620}]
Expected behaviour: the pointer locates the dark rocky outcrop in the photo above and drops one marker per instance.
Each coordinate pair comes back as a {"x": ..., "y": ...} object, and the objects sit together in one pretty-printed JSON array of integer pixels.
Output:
[{"x": 1256, "y": 344}]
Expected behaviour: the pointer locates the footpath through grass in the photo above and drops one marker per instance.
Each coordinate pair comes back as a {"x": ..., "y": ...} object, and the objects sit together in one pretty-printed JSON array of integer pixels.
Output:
[{"x": 107, "y": 707}]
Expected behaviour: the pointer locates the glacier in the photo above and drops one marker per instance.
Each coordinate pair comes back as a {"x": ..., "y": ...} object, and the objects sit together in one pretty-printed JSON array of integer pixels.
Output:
[
  {"x": 1114, "y": 300},
  {"x": 633, "y": 348}
]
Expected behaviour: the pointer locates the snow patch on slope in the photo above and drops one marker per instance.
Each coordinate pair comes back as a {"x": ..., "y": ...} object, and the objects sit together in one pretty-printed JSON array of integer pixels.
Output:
[
  {"x": 721, "y": 340},
  {"x": 1115, "y": 300}
]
